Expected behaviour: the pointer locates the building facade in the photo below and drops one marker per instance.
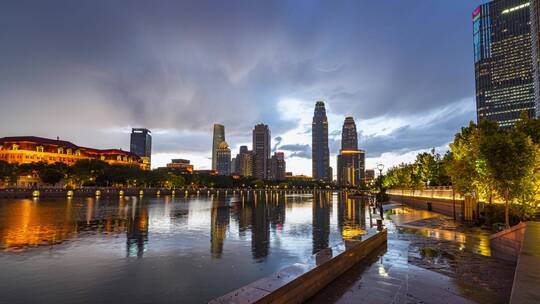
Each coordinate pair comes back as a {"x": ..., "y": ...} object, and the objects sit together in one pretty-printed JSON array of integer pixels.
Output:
[
  {"x": 217, "y": 137},
  {"x": 261, "y": 151},
  {"x": 351, "y": 160},
  {"x": 141, "y": 145},
  {"x": 503, "y": 61},
  {"x": 277, "y": 167},
  {"x": 181, "y": 165},
  {"x": 319, "y": 144},
  {"x": 32, "y": 149},
  {"x": 244, "y": 162},
  {"x": 535, "y": 39},
  {"x": 223, "y": 161}
]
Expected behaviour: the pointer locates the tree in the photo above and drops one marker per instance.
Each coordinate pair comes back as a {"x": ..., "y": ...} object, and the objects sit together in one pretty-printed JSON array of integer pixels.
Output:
[
  {"x": 510, "y": 159},
  {"x": 51, "y": 176},
  {"x": 7, "y": 172}
]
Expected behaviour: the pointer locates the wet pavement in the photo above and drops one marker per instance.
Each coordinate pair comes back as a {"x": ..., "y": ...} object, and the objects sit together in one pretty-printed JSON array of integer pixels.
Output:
[{"x": 429, "y": 259}]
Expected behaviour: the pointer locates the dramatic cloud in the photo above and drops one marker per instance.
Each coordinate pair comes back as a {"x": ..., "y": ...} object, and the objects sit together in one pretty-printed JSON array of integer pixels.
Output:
[{"x": 89, "y": 71}]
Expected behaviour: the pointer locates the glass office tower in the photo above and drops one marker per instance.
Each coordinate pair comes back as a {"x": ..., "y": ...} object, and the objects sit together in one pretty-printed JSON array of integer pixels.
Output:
[{"x": 503, "y": 64}]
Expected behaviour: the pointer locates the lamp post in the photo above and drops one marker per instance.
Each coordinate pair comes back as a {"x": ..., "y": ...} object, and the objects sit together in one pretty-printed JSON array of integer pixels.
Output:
[{"x": 380, "y": 167}]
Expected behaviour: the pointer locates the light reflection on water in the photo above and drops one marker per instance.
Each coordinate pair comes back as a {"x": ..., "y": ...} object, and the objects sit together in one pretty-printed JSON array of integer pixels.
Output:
[{"x": 161, "y": 250}]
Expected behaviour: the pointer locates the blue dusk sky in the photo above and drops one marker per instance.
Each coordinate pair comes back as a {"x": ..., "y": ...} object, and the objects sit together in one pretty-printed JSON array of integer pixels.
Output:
[{"x": 89, "y": 71}]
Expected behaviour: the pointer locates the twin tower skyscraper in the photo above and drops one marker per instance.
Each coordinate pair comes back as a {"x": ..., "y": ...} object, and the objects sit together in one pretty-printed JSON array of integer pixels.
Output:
[{"x": 350, "y": 160}]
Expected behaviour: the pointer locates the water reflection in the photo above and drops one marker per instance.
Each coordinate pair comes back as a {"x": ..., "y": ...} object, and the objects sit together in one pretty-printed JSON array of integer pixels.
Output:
[
  {"x": 137, "y": 231},
  {"x": 351, "y": 217},
  {"x": 77, "y": 245},
  {"x": 321, "y": 221},
  {"x": 218, "y": 229}
]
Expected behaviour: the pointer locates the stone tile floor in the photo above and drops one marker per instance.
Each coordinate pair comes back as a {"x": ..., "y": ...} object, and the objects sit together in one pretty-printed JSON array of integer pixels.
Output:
[{"x": 424, "y": 265}]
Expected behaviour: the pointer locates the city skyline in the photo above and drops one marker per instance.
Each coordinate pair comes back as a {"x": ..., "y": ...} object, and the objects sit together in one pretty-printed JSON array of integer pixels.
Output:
[{"x": 147, "y": 72}]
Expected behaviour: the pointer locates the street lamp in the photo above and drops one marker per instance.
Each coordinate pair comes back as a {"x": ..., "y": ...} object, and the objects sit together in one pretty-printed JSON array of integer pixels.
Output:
[{"x": 380, "y": 167}]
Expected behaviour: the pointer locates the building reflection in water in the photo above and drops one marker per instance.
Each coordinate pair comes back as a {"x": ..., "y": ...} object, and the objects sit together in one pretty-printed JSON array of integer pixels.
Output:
[
  {"x": 30, "y": 223},
  {"x": 351, "y": 217},
  {"x": 137, "y": 229},
  {"x": 260, "y": 229},
  {"x": 322, "y": 206},
  {"x": 218, "y": 228}
]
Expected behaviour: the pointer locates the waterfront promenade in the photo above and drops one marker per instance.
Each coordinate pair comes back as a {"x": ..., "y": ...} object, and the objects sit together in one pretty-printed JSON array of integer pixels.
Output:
[{"x": 424, "y": 263}]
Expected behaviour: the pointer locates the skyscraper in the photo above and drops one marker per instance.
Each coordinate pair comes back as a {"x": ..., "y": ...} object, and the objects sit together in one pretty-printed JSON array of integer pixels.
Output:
[
  {"x": 351, "y": 160},
  {"x": 223, "y": 159},
  {"x": 218, "y": 137},
  {"x": 535, "y": 36},
  {"x": 261, "y": 151},
  {"x": 141, "y": 145},
  {"x": 319, "y": 144},
  {"x": 277, "y": 167},
  {"x": 503, "y": 61}
]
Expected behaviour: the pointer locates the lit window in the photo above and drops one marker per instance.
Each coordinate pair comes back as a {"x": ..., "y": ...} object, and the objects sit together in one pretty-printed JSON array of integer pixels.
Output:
[
  {"x": 60, "y": 150},
  {"x": 68, "y": 151},
  {"x": 102, "y": 157},
  {"x": 78, "y": 152},
  {"x": 39, "y": 148},
  {"x": 119, "y": 158},
  {"x": 15, "y": 147}
]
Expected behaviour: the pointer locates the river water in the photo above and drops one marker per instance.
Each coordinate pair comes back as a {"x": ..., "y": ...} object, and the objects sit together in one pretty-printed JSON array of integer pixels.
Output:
[{"x": 161, "y": 250}]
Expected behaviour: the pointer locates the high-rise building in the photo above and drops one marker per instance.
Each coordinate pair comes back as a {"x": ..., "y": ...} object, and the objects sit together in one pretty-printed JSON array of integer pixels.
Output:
[
  {"x": 261, "y": 151},
  {"x": 535, "y": 36},
  {"x": 319, "y": 144},
  {"x": 217, "y": 138},
  {"x": 351, "y": 160},
  {"x": 244, "y": 162},
  {"x": 277, "y": 167},
  {"x": 503, "y": 61},
  {"x": 141, "y": 145},
  {"x": 233, "y": 166},
  {"x": 223, "y": 159}
]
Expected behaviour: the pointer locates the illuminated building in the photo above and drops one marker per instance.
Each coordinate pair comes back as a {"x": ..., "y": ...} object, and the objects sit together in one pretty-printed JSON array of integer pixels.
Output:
[
  {"x": 223, "y": 158},
  {"x": 244, "y": 162},
  {"x": 217, "y": 138},
  {"x": 141, "y": 145},
  {"x": 181, "y": 165},
  {"x": 277, "y": 167},
  {"x": 535, "y": 36},
  {"x": 319, "y": 144},
  {"x": 205, "y": 172},
  {"x": 31, "y": 149},
  {"x": 351, "y": 160},
  {"x": 301, "y": 178},
  {"x": 503, "y": 62},
  {"x": 261, "y": 151}
]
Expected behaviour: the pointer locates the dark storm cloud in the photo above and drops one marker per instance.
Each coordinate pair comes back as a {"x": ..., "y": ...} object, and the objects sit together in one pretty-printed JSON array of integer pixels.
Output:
[
  {"x": 69, "y": 68},
  {"x": 297, "y": 150}
]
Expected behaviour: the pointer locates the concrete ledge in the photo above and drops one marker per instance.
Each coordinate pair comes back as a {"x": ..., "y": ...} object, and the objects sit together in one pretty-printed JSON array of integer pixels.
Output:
[
  {"x": 299, "y": 282},
  {"x": 527, "y": 277},
  {"x": 506, "y": 244}
]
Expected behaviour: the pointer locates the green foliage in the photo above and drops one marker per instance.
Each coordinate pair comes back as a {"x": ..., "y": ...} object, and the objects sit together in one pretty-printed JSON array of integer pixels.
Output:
[{"x": 51, "y": 176}]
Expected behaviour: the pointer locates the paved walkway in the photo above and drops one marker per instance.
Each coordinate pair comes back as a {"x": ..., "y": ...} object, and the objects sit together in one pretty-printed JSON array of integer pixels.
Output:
[{"x": 392, "y": 275}]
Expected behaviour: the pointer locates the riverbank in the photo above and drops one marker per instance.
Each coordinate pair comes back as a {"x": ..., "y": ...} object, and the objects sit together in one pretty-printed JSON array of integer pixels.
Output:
[{"x": 117, "y": 192}]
